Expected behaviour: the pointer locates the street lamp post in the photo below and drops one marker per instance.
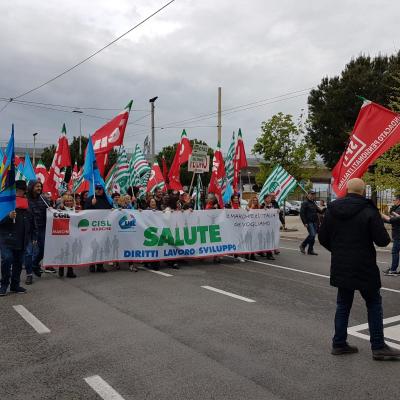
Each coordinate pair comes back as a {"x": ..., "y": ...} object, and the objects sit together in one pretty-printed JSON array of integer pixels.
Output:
[
  {"x": 34, "y": 147},
  {"x": 80, "y": 130},
  {"x": 153, "y": 150}
]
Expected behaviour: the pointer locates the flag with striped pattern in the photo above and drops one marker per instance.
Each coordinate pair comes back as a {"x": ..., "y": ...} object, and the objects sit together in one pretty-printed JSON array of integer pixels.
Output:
[
  {"x": 140, "y": 164},
  {"x": 229, "y": 160},
  {"x": 121, "y": 175},
  {"x": 279, "y": 182}
]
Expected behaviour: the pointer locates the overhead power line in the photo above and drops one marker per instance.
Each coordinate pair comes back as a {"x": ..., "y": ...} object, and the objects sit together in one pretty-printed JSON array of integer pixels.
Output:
[{"x": 93, "y": 54}]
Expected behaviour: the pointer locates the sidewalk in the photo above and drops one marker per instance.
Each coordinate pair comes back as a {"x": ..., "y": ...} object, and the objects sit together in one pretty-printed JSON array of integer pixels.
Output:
[{"x": 296, "y": 229}]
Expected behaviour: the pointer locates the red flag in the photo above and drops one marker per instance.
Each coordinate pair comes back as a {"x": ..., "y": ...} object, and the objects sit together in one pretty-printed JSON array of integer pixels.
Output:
[
  {"x": 156, "y": 180},
  {"x": 109, "y": 136},
  {"x": 61, "y": 159},
  {"x": 18, "y": 160},
  {"x": 182, "y": 154},
  {"x": 239, "y": 162},
  {"x": 375, "y": 131},
  {"x": 217, "y": 173},
  {"x": 174, "y": 175},
  {"x": 185, "y": 149},
  {"x": 43, "y": 176},
  {"x": 74, "y": 176}
]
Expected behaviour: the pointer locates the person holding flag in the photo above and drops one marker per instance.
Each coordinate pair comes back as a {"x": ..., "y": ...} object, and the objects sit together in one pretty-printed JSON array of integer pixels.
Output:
[
  {"x": 17, "y": 229},
  {"x": 98, "y": 199}
]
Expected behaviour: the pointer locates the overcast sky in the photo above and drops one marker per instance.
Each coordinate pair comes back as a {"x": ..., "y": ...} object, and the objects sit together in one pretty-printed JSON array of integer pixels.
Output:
[{"x": 254, "y": 50}]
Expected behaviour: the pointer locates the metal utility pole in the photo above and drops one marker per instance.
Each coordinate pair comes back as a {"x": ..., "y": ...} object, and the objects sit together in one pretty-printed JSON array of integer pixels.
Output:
[
  {"x": 34, "y": 148},
  {"x": 80, "y": 131},
  {"x": 153, "y": 146},
  {"x": 219, "y": 114}
]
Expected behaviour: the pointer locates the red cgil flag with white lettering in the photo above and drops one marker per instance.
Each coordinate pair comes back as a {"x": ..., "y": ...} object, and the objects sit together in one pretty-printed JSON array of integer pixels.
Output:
[
  {"x": 110, "y": 135},
  {"x": 376, "y": 130}
]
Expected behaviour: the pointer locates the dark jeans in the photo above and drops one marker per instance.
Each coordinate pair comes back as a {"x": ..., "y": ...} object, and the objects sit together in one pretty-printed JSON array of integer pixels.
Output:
[
  {"x": 310, "y": 239},
  {"x": 38, "y": 249},
  {"x": 395, "y": 254},
  {"x": 11, "y": 266},
  {"x": 373, "y": 301},
  {"x": 28, "y": 258}
]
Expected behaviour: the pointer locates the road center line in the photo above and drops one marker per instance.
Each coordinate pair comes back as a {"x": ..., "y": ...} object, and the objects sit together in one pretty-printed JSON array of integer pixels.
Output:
[
  {"x": 102, "y": 388},
  {"x": 307, "y": 272},
  {"x": 157, "y": 272},
  {"x": 235, "y": 296},
  {"x": 290, "y": 248},
  {"x": 31, "y": 319}
]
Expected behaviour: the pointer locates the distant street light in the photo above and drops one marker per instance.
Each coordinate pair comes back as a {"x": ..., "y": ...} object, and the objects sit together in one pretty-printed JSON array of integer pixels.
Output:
[
  {"x": 153, "y": 151},
  {"x": 34, "y": 147},
  {"x": 80, "y": 130}
]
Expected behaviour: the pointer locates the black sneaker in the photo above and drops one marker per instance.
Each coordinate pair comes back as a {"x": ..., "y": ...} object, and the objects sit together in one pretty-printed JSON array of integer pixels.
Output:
[
  {"x": 92, "y": 268},
  {"x": 175, "y": 266},
  {"x": 270, "y": 257},
  {"x": 312, "y": 253},
  {"x": 386, "y": 353},
  {"x": 29, "y": 280},
  {"x": 18, "y": 289},
  {"x": 50, "y": 270},
  {"x": 3, "y": 290},
  {"x": 345, "y": 349},
  {"x": 61, "y": 272},
  {"x": 37, "y": 272},
  {"x": 71, "y": 275},
  {"x": 302, "y": 249},
  {"x": 100, "y": 268}
]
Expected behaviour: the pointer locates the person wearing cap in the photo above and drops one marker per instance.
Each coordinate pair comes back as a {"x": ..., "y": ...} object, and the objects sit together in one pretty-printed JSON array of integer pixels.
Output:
[
  {"x": 309, "y": 216},
  {"x": 394, "y": 220},
  {"x": 98, "y": 201},
  {"x": 17, "y": 229},
  {"x": 351, "y": 229}
]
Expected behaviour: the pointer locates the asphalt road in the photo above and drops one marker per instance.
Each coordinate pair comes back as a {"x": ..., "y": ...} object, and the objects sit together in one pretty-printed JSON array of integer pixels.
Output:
[{"x": 150, "y": 336}]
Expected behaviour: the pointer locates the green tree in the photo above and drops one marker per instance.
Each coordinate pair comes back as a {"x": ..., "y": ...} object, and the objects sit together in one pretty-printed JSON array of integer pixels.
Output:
[
  {"x": 282, "y": 142},
  {"x": 334, "y": 106},
  {"x": 186, "y": 177},
  {"x": 48, "y": 155}
]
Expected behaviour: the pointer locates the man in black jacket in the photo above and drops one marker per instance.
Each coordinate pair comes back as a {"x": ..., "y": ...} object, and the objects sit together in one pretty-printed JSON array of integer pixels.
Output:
[
  {"x": 351, "y": 227},
  {"x": 394, "y": 220},
  {"x": 309, "y": 216},
  {"x": 98, "y": 202},
  {"x": 16, "y": 231},
  {"x": 38, "y": 206}
]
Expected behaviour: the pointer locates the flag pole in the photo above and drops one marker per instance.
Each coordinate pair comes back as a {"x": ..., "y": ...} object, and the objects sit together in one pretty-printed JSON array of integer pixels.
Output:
[
  {"x": 94, "y": 188},
  {"x": 191, "y": 183}
]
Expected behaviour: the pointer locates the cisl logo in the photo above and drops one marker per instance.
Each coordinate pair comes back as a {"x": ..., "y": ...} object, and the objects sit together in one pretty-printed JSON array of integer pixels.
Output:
[
  {"x": 96, "y": 225},
  {"x": 60, "y": 224}
]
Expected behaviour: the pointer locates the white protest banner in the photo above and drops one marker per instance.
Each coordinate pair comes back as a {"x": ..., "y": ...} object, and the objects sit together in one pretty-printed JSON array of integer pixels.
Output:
[
  {"x": 199, "y": 164},
  {"x": 99, "y": 236}
]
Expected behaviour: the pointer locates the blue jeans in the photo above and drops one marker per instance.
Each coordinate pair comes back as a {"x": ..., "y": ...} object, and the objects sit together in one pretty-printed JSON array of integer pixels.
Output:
[
  {"x": 310, "y": 239},
  {"x": 373, "y": 301},
  {"x": 38, "y": 250},
  {"x": 28, "y": 258},
  {"x": 395, "y": 254},
  {"x": 11, "y": 266}
]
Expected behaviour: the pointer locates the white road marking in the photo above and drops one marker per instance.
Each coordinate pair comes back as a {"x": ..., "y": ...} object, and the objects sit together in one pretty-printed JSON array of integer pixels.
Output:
[
  {"x": 157, "y": 272},
  {"x": 305, "y": 272},
  {"x": 31, "y": 319},
  {"x": 102, "y": 388},
  {"x": 290, "y": 248},
  {"x": 235, "y": 296},
  {"x": 391, "y": 332}
]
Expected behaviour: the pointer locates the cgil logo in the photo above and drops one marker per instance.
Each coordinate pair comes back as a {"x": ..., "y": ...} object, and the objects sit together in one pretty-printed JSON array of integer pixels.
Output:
[
  {"x": 96, "y": 225},
  {"x": 127, "y": 222}
]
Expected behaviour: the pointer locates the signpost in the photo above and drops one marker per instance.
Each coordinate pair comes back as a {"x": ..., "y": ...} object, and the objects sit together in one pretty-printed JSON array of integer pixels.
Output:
[{"x": 199, "y": 161}]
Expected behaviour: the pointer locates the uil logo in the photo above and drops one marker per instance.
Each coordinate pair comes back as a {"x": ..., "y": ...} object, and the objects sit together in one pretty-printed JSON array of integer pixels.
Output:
[{"x": 127, "y": 223}]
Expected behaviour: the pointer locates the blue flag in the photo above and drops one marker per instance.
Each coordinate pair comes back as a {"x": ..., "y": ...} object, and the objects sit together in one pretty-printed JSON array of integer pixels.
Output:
[
  {"x": 91, "y": 172},
  {"x": 7, "y": 179},
  {"x": 28, "y": 170},
  {"x": 228, "y": 194}
]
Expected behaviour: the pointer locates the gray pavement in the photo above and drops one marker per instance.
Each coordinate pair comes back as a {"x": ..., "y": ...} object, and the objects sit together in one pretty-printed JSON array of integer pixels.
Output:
[{"x": 155, "y": 337}]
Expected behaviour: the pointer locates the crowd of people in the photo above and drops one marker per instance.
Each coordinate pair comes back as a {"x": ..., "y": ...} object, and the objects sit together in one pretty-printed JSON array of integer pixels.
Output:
[{"x": 23, "y": 231}]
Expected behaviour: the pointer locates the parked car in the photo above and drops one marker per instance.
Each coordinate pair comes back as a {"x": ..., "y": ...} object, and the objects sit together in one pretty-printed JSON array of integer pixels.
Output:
[{"x": 290, "y": 209}]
